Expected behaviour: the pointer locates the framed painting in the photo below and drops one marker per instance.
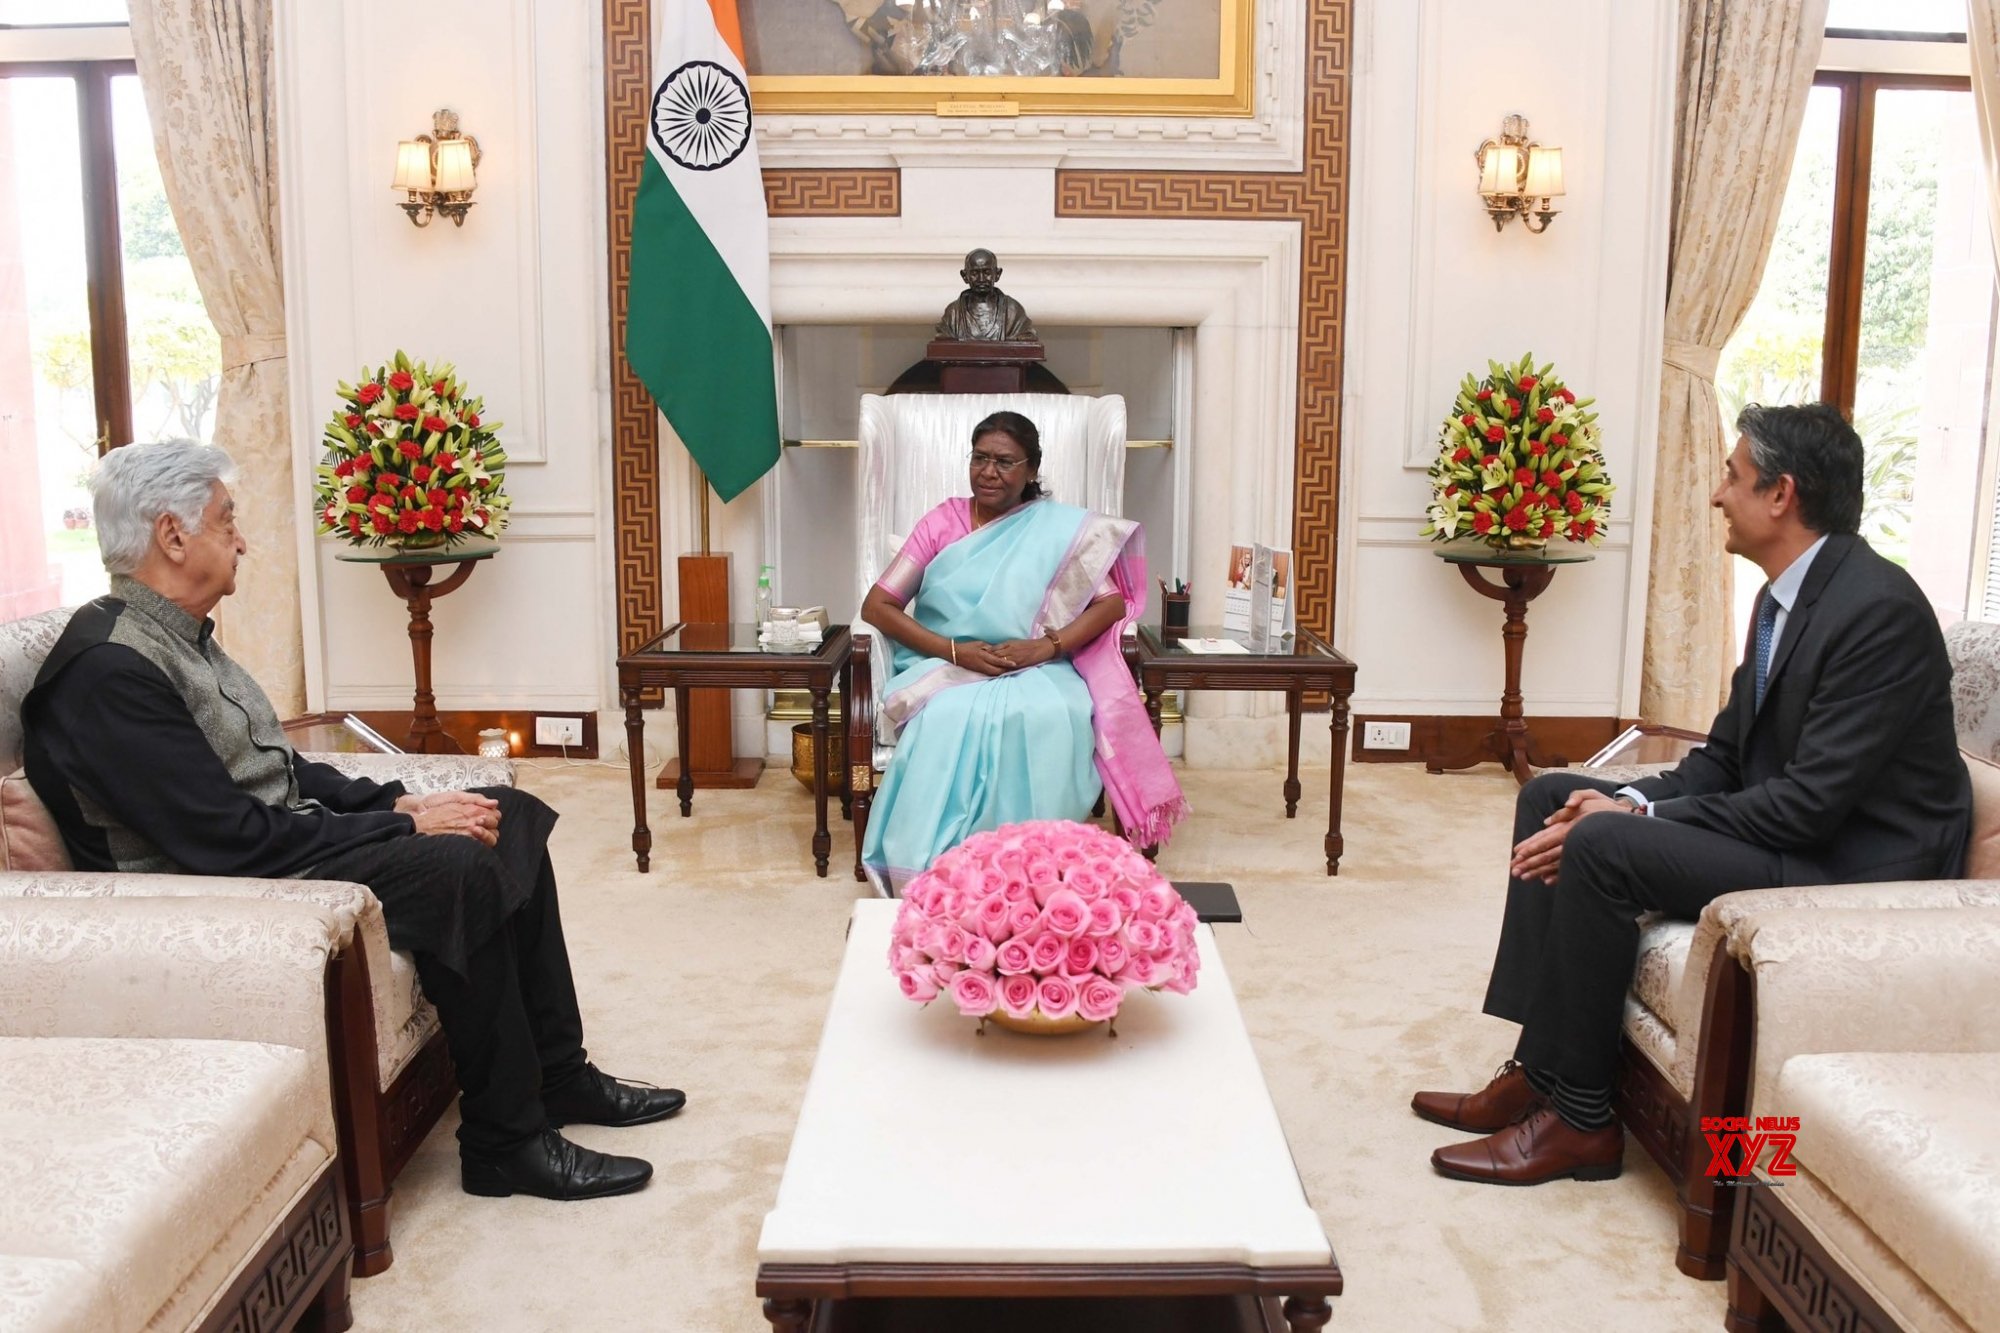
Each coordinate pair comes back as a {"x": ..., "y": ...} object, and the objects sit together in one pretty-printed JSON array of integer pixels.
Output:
[{"x": 1000, "y": 57}]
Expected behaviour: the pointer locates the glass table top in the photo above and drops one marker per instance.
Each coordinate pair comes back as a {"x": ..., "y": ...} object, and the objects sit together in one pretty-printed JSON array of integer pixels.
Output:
[
  {"x": 1213, "y": 640},
  {"x": 472, "y": 548},
  {"x": 1462, "y": 552},
  {"x": 716, "y": 638}
]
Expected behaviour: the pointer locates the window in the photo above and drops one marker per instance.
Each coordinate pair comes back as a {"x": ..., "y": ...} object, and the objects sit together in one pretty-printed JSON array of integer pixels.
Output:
[
  {"x": 1879, "y": 296},
  {"x": 1923, "y": 19},
  {"x": 103, "y": 336}
]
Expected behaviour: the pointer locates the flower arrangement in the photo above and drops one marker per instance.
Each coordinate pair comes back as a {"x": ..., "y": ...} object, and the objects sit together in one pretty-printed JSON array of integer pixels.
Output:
[
  {"x": 1049, "y": 920},
  {"x": 410, "y": 461},
  {"x": 1518, "y": 462}
]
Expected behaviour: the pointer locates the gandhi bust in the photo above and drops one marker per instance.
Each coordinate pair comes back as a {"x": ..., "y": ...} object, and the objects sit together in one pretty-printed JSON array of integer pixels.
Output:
[{"x": 982, "y": 312}]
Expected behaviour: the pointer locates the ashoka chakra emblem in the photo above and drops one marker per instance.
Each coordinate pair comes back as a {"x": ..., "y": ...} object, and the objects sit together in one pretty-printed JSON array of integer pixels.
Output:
[{"x": 701, "y": 116}]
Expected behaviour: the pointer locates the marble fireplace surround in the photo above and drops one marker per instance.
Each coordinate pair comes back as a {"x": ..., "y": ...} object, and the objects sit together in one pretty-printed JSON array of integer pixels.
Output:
[{"x": 1236, "y": 284}]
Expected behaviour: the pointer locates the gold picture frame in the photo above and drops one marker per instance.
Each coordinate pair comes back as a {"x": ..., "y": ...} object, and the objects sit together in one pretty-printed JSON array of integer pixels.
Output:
[{"x": 1230, "y": 93}]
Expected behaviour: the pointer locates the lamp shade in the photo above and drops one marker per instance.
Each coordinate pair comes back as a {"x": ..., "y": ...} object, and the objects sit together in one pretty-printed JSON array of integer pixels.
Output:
[
  {"x": 454, "y": 165},
  {"x": 413, "y": 166},
  {"x": 1501, "y": 173},
  {"x": 1545, "y": 172}
]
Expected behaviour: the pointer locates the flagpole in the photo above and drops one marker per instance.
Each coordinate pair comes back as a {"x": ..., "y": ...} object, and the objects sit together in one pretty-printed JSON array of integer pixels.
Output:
[{"x": 701, "y": 481}]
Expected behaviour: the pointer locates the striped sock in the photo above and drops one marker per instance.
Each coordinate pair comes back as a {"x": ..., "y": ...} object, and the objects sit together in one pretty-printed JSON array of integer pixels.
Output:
[{"x": 1581, "y": 1108}]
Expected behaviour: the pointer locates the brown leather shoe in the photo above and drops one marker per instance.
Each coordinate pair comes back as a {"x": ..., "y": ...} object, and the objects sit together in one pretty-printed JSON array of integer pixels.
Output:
[
  {"x": 1540, "y": 1148},
  {"x": 1507, "y": 1100}
]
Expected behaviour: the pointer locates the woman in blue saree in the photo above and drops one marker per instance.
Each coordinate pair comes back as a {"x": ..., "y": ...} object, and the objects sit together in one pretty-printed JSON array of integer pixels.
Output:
[{"x": 1008, "y": 683}]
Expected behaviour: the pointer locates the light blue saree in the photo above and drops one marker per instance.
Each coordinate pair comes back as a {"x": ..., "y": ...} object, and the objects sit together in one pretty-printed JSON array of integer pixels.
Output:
[{"x": 976, "y": 752}]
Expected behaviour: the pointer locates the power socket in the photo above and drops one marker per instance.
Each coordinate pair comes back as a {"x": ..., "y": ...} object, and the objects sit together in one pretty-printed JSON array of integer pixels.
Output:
[
  {"x": 1385, "y": 736},
  {"x": 558, "y": 730}
]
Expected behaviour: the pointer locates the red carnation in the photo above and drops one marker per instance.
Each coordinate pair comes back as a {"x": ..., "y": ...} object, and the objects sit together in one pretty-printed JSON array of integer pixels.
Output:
[
  {"x": 381, "y": 502},
  {"x": 1573, "y": 531},
  {"x": 1460, "y": 454},
  {"x": 1467, "y": 420},
  {"x": 1574, "y": 502},
  {"x": 411, "y": 493},
  {"x": 1513, "y": 406},
  {"x": 1552, "y": 478},
  {"x": 1494, "y": 434},
  {"x": 1484, "y": 395},
  {"x": 1548, "y": 527},
  {"x": 1482, "y": 522},
  {"x": 406, "y": 411},
  {"x": 1529, "y": 381},
  {"x": 387, "y": 481},
  {"x": 454, "y": 523},
  {"x": 437, "y": 498},
  {"x": 1517, "y": 518},
  {"x": 434, "y": 519},
  {"x": 381, "y": 523},
  {"x": 375, "y": 430},
  {"x": 1537, "y": 448},
  {"x": 438, "y": 386},
  {"x": 472, "y": 418},
  {"x": 1489, "y": 460},
  {"x": 422, "y": 472},
  {"x": 1566, "y": 395},
  {"x": 353, "y": 421},
  {"x": 1589, "y": 527},
  {"x": 1524, "y": 476},
  {"x": 447, "y": 462},
  {"x": 401, "y": 381},
  {"x": 1559, "y": 441},
  {"x": 356, "y": 494},
  {"x": 368, "y": 393},
  {"x": 410, "y": 449},
  {"x": 1545, "y": 416},
  {"x": 1451, "y": 490},
  {"x": 354, "y": 523},
  {"x": 409, "y": 522},
  {"x": 343, "y": 467},
  {"x": 433, "y": 423}
]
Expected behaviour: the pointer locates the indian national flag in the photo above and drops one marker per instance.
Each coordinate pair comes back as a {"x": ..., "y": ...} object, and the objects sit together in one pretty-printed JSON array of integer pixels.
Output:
[{"x": 698, "y": 324}]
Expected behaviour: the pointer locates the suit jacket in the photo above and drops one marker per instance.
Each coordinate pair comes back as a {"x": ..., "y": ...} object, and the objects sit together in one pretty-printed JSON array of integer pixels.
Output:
[{"x": 1851, "y": 768}]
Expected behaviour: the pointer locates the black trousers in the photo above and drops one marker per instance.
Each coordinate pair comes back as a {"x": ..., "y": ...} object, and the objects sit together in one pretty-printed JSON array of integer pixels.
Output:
[
  {"x": 510, "y": 1013},
  {"x": 1567, "y": 950}
]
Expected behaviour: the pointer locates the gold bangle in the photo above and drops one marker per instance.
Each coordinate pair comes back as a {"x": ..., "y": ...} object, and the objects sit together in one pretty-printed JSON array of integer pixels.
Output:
[{"x": 954, "y": 650}]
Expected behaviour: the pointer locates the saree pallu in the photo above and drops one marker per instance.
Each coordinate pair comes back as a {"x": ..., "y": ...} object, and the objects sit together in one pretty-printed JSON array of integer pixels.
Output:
[{"x": 977, "y": 752}]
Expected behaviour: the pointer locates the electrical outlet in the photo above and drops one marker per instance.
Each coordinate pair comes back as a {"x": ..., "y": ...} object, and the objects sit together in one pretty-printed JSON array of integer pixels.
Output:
[
  {"x": 558, "y": 730},
  {"x": 1385, "y": 736}
]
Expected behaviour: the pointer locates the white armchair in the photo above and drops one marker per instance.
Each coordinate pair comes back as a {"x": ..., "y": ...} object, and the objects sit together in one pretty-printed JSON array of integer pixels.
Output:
[
  {"x": 913, "y": 457},
  {"x": 393, "y": 1076}
]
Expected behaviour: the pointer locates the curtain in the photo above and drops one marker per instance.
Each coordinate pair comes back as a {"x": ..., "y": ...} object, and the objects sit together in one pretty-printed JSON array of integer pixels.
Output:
[
  {"x": 206, "y": 68},
  {"x": 1745, "y": 71},
  {"x": 1983, "y": 34}
]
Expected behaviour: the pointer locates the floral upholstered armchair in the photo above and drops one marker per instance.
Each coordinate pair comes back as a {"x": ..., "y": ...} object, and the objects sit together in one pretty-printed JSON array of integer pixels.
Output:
[
  {"x": 1667, "y": 1079},
  {"x": 392, "y": 1074}
]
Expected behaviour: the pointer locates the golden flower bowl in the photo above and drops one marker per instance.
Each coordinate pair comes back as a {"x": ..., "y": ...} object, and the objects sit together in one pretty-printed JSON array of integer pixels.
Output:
[
  {"x": 1038, "y": 1024},
  {"x": 836, "y": 758}
]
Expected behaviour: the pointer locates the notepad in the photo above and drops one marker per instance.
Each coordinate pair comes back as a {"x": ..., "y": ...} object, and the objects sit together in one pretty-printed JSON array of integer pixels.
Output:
[{"x": 1211, "y": 646}]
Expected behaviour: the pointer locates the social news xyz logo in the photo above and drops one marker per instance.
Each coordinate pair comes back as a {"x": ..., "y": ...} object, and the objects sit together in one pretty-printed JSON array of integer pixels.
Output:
[{"x": 1735, "y": 1143}]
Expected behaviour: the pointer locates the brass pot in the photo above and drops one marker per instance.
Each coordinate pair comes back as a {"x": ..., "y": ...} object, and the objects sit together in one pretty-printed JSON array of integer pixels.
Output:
[
  {"x": 836, "y": 758},
  {"x": 1038, "y": 1025}
]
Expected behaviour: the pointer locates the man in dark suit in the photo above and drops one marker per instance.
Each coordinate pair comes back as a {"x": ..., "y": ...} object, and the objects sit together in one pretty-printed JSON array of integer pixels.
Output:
[{"x": 1835, "y": 761}]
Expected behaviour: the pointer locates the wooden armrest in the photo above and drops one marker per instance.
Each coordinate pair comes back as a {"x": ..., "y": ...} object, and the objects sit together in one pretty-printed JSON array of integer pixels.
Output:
[{"x": 861, "y": 708}]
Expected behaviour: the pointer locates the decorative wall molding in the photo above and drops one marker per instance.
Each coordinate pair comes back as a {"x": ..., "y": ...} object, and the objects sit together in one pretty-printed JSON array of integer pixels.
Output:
[
  {"x": 1315, "y": 196},
  {"x": 858, "y": 193}
]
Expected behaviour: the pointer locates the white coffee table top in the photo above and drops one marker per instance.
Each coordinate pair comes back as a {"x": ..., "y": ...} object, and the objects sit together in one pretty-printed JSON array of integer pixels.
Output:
[{"x": 920, "y": 1142}]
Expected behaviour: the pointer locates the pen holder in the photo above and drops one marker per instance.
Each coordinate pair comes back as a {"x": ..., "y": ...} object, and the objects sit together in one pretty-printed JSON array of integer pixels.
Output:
[{"x": 1174, "y": 614}]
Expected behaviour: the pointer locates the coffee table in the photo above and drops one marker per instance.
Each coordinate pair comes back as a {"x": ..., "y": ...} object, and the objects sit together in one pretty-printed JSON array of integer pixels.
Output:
[
  {"x": 1306, "y": 662},
  {"x": 691, "y": 656},
  {"x": 936, "y": 1173}
]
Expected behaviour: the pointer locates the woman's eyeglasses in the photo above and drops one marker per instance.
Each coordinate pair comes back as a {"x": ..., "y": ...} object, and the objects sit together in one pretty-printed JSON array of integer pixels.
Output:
[{"x": 1005, "y": 466}]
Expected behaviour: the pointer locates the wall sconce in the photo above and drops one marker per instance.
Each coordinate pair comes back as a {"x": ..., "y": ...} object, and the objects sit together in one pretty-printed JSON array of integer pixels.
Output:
[
  {"x": 437, "y": 170},
  {"x": 1517, "y": 175}
]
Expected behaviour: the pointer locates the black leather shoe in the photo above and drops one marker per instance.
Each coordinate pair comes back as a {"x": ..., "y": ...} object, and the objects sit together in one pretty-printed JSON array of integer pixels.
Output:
[
  {"x": 549, "y": 1166},
  {"x": 595, "y": 1098}
]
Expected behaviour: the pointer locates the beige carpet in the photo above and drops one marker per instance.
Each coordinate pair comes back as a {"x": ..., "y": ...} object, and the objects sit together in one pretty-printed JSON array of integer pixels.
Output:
[{"x": 712, "y": 973}]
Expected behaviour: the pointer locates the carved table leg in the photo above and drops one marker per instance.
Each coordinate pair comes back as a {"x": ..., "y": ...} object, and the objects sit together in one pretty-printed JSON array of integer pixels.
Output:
[
  {"x": 1335, "y": 843},
  {"x": 1292, "y": 751},
  {"x": 1750, "y": 1310},
  {"x": 635, "y": 754},
  {"x": 684, "y": 788},
  {"x": 788, "y": 1315},
  {"x": 1153, "y": 708},
  {"x": 1304, "y": 1314},
  {"x": 822, "y": 840}
]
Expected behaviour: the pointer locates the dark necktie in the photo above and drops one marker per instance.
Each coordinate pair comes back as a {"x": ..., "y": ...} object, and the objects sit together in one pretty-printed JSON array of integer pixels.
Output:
[{"x": 1767, "y": 623}]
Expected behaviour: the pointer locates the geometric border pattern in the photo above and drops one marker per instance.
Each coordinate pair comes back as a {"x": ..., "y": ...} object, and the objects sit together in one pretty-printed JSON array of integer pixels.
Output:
[
  {"x": 1316, "y": 198},
  {"x": 860, "y": 193}
]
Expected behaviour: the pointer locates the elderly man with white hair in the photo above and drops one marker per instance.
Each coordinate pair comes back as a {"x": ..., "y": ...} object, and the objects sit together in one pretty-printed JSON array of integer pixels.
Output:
[{"x": 156, "y": 752}]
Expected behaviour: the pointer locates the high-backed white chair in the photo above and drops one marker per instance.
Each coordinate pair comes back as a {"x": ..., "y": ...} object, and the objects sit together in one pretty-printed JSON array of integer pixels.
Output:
[{"x": 914, "y": 450}]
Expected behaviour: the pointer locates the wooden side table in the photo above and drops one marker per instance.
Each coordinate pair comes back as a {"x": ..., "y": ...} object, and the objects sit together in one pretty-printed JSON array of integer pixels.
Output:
[
  {"x": 728, "y": 657},
  {"x": 1523, "y": 576},
  {"x": 409, "y": 574},
  {"x": 1305, "y": 663}
]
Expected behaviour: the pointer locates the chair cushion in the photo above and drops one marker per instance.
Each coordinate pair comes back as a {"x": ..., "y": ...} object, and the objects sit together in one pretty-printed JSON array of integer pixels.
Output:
[
  {"x": 1982, "y": 845},
  {"x": 150, "y": 1161},
  {"x": 52, "y": 1296},
  {"x": 29, "y": 838},
  {"x": 1663, "y": 961},
  {"x": 404, "y": 1019},
  {"x": 1908, "y": 1143},
  {"x": 24, "y": 644}
]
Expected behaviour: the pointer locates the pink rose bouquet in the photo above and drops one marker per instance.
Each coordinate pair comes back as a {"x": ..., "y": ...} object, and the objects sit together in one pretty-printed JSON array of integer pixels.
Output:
[{"x": 1049, "y": 918}]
